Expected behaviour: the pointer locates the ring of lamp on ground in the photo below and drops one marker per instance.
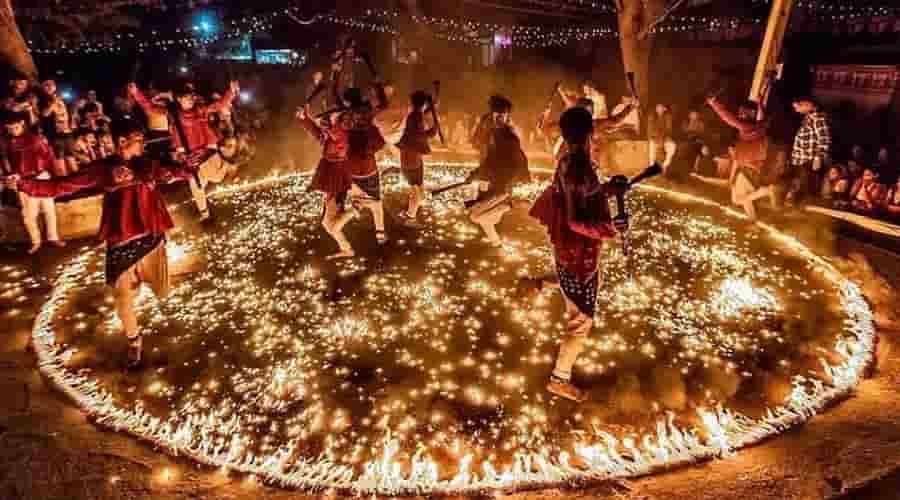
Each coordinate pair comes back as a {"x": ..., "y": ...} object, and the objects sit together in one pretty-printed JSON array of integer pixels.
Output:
[{"x": 419, "y": 367}]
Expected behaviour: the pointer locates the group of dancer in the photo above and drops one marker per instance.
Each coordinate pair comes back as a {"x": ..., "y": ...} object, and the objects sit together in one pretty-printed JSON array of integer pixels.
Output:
[{"x": 574, "y": 208}]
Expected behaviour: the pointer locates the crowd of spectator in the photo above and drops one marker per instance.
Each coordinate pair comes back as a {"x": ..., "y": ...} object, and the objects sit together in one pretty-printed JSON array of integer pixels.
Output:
[{"x": 45, "y": 136}]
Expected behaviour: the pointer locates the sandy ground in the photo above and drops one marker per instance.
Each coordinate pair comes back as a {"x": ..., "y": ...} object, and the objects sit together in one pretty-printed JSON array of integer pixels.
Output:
[{"x": 48, "y": 450}]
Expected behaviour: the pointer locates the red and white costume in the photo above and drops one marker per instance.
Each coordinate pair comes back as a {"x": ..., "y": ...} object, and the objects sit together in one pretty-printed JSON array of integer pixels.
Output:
[{"x": 30, "y": 156}]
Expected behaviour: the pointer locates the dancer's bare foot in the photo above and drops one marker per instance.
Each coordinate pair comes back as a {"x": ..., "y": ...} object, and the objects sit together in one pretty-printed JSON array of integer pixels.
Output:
[
  {"x": 381, "y": 236},
  {"x": 34, "y": 248},
  {"x": 343, "y": 254},
  {"x": 57, "y": 243},
  {"x": 565, "y": 389}
]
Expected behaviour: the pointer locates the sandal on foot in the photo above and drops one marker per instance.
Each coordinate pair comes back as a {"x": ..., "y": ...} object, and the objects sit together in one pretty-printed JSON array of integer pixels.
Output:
[{"x": 565, "y": 389}]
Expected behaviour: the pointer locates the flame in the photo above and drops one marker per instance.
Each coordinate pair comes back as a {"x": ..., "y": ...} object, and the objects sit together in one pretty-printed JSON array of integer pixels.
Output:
[{"x": 598, "y": 456}]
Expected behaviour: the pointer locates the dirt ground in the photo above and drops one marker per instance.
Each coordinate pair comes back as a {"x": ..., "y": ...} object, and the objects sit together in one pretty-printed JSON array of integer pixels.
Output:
[{"x": 49, "y": 451}]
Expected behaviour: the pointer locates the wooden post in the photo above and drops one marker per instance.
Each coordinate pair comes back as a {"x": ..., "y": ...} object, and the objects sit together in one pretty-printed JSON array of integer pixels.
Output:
[{"x": 779, "y": 19}]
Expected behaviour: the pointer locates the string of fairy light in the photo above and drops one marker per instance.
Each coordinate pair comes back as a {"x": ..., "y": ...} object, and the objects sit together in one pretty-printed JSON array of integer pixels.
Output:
[{"x": 469, "y": 31}]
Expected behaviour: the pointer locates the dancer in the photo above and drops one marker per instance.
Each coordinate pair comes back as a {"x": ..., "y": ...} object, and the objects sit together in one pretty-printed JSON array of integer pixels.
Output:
[
  {"x": 28, "y": 156},
  {"x": 194, "y": 140},
  {"x": 133, "y": 224},
  {"x": 503, "y": 165},
  {"x": 363, "y": 141},
  {"x": 576, "y": 212},
  {"x": 747, "y": 179},
  {"x": 603, "y": 128},
  {"x": 331, "y": 177},
  {"x": 413, "y": 146}
]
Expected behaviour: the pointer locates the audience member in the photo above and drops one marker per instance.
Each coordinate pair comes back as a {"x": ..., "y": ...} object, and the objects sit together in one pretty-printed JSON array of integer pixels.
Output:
[
  {"x": 892, "y": 202},
  {"x": 811, "y": 151},
  {"x": 29, "y": 156},
  {"x": 22, "y": 99},
  {"x": 867, "y": 194},
  {"x": 836, "y": 188},
  {"x": 660, "y": 134}
]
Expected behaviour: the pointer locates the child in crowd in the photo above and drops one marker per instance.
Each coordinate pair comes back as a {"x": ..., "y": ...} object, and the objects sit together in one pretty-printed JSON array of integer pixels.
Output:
[
  {"x": 836, "y": 188},
  {"x": 27, "y": 155},
  {"x": 867, "y": 193}
]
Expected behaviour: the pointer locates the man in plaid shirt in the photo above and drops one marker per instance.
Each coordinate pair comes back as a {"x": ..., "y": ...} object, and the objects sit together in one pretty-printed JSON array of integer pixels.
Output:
[{"x": 812, "y": 149}]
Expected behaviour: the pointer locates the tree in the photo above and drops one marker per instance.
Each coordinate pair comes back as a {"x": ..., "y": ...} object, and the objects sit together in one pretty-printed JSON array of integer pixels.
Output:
[
  {"x": 636, "y": 18},
  {"x": 13, "y": 49}
]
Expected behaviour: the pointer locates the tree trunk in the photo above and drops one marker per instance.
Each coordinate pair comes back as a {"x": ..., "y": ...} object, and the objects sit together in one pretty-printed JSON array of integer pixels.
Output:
[
  {"x": 13, "y": 50},
  {"x": 636, "y": 16}
]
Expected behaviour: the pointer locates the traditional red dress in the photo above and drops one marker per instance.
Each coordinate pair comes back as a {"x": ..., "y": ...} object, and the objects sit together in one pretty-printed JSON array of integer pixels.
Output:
[
  {"x": 576, "y": 237},
  {"x": 135, "y": 218},
  {"x": 132, "y": 204},
  {"x": 28, "y": 155},
  {"x": 197, "y": 129},
  {"x": 331, "y": 176},
  {"x": 414, "y": 146},
  {"x": 363, "y": 141}
]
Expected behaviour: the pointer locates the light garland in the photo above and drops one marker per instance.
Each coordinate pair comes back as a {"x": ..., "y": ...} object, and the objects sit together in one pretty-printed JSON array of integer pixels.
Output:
[
  {"x": 589, "y": 458},
  {"x": 462, "y": 30}
]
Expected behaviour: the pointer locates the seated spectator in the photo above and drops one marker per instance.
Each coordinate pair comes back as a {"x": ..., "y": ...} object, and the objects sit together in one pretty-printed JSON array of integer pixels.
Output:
[
  {"x": 888, "y": 169},
  {"x": 694, "y": 128},
  {"x": 93, "y": 119},
  {"x": 105, "y": 145},
  {"x": 85, "y": 147},
  {"x": 892, "y": 202},
  {"x": 660, "y": 133},
  {"x": 705, "y": 164},
  {"x": 854, "y": 170},
  {"x": 858, "y": 153},
  {"x": 867, "y": 193},
  {"x": 836, "y": 188}
]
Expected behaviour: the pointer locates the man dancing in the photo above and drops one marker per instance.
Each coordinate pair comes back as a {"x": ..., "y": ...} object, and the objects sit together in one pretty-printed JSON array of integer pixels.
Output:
[
  {"x": 413, "y": 146},
  {"x": 28, "y": 156},
  {"x": 503, "y": 165},
  {"x": 133, "y": 224},
  {"x": 575, "y": 210}
]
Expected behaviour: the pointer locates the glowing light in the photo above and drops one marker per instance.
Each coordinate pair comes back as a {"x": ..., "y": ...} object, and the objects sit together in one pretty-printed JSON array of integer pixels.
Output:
[{"x": 372, "y": 379}]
